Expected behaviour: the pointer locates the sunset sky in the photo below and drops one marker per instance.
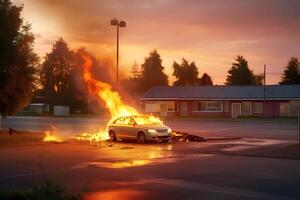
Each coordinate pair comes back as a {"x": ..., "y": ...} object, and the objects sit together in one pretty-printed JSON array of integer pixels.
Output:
[{"x": 209, "y": 32}]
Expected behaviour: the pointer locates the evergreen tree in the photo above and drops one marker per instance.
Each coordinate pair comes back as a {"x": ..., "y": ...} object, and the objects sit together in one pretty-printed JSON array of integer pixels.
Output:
[
  {"x": 152, "y": 73},
  {"x": 205, "y": 80},
  {"x": 259, "y": 79},
  {"x": 240, "y": 74},
  {"x": 135, "y": 72},
  {"x": 291, "y": 74},
  {"x": 186, "y": 74}
]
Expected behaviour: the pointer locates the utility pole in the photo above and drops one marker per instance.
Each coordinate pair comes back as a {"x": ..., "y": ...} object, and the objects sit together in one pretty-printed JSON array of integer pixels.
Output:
[
  {"x": 2, "y": 124},
  {"x": 118, "y": 23},
  {"x": 265, "y": 72},
  {"x": 117, "y": 75},
  {"x": 298, "y": 124}
]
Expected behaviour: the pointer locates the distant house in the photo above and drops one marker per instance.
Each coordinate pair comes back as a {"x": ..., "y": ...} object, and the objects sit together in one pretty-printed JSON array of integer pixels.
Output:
[
  {"x": 38, "y": 105},
  {"x": 223, "y": 101}
]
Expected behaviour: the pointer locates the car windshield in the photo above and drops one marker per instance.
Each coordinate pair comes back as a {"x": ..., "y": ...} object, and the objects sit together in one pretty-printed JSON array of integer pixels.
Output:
[{"x": 147, "y": 120}]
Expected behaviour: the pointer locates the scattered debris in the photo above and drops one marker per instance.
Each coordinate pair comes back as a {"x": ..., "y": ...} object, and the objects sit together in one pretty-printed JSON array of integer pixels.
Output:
[
  {"x": 13, "y": 131},
  {"x": 127, "y": 147},
  {"x": 186, "y": 137}
]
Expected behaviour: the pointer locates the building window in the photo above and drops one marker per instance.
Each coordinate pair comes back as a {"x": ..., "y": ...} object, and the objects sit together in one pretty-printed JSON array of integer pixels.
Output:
[
  {"x": 160, "y": 106},
  {"x": 171, "y": 106},
  {"x": 152, "y": 107},
  {"x": 258, "y": 107},
  {"x": 210, "y": 106},
  {"x": 284, "y": 109}
]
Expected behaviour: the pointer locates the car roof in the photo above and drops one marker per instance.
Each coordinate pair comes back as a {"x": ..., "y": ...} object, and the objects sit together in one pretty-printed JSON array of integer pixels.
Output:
[{"x": 123, "y": 117}]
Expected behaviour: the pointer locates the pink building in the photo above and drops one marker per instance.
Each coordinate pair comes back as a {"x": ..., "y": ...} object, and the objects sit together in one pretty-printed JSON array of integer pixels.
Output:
[{"x": 223, "y": 101}]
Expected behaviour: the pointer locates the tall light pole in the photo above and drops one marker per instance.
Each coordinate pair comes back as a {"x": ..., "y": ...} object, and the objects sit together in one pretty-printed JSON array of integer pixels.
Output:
[
  {"x": 118, "y": 23},
  {"x": 265, "y": 78}
]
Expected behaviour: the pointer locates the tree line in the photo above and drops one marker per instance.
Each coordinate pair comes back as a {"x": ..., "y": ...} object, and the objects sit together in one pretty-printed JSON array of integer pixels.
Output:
[
  {"x": 151, "y": 74},
  {"x": 59, "y": 76}
]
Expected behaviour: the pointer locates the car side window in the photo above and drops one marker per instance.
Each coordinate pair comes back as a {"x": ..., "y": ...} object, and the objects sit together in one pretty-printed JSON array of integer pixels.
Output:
[
  {"x": 119, "y": 121},
  {"x": 126, "y": 120},
  {"x": 132, "y": 122}
]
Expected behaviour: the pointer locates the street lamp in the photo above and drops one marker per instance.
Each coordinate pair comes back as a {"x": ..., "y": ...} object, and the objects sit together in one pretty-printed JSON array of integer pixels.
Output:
[{"x": 118, "y": 23}]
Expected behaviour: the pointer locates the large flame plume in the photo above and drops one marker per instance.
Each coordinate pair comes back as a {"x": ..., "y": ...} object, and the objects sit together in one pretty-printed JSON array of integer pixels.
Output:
[
  {"x": 103, "y": 90},
  {"x": 112, "y": 100}
]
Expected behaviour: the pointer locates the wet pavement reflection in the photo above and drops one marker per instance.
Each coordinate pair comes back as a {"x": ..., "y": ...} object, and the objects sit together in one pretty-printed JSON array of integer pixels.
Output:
[
  {"x": 122, "y": 164},
  {"x": 124, "y": 194},
  {"x": 122, "y": 170}
]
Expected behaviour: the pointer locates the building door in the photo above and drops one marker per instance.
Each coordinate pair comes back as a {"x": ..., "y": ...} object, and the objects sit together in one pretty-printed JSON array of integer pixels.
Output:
[
  {"x": 163, "y": 110},
  {"x": 294, "y": 108},
  {"x": 183, "y": 109},
  {"x": 236, "y": 110},
  {"x": 247, "y": 108}
]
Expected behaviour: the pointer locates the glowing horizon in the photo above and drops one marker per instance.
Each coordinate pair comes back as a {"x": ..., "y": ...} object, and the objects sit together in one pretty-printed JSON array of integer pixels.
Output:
[{"x": 211, "y": 33}]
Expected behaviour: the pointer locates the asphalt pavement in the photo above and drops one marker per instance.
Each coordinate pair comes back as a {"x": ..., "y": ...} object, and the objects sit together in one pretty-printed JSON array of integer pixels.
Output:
[
  {"x": 258, "y": 166},
  {"x": 209, "y": 170},
  {"x": 253, "y": 128}
]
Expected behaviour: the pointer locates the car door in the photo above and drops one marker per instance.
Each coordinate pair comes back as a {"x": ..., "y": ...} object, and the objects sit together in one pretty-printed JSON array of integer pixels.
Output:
[
  {"x": 128, "y": 128},
  {"x": 133, "y": 128},
  {"x": 118, "y": 126}
]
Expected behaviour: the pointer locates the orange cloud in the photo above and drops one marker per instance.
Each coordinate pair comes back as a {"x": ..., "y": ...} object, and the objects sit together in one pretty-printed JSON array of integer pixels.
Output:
[{"x": 211, "y": 33}]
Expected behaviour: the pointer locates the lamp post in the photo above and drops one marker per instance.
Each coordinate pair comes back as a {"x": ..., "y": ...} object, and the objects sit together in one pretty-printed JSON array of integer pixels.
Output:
[{"x": 118, "y": 23}]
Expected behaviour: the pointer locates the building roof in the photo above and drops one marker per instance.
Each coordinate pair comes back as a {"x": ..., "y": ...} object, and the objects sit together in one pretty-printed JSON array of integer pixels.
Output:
[
  {"x": 272, "y": 92},
  {"x": 39, "y": 99}
]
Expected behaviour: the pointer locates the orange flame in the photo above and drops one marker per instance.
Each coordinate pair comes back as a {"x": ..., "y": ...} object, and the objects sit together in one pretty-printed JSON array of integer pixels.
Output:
[
  {"x": 113, "y": 103},
  {"x": 112, "y": 99},
  {"x": 49, "y": 137}
]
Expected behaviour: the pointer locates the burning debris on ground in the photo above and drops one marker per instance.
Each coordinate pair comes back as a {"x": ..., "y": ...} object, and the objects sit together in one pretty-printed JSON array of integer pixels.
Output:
[{"x": 52, "y": 135}]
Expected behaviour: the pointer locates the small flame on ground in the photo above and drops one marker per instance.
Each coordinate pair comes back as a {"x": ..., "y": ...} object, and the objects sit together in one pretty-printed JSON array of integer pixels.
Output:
[
  {"x": 51, "y": 138},
  {"x": 95, "y": 137}
]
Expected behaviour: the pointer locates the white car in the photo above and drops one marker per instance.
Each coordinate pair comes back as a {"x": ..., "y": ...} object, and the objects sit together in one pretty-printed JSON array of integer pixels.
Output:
[{"x": 138, "y": 128}]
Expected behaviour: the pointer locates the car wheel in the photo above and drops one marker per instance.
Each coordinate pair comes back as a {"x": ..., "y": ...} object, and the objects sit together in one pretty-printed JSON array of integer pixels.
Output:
[
  {"x": 112, "y": 136},
  {"x": 166, "y": 141},
  {"x": 141, "y": 138}
]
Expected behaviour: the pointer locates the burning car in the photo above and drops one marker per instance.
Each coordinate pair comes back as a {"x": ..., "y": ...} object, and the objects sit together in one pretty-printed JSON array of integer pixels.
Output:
[{"x": 140, "y": 128}]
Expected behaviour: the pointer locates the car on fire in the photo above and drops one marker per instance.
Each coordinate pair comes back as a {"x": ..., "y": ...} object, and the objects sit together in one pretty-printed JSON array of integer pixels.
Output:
[{"x": 138, "y": 128}]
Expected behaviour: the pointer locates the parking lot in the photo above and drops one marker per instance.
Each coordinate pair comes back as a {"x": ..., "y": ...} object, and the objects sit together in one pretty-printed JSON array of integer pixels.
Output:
[
  {"x": 253, "y": 128},
  {"x": 247, "y": 168}
]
